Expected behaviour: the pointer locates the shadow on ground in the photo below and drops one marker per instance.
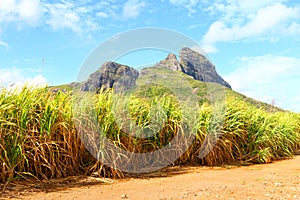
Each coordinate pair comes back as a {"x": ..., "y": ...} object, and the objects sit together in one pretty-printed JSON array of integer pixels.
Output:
[{"x": 19, "y": 188}]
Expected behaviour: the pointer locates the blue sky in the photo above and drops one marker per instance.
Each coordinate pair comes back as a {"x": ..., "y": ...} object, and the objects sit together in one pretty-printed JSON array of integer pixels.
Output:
[{"x": 254, "y": 44}]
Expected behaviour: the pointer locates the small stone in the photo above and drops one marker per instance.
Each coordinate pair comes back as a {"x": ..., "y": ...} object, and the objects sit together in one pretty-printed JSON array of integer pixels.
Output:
[
  {"x": 277, "y": 184},
  {"x": 124, "y": 196},
  {"x": 185, "y": 195}
]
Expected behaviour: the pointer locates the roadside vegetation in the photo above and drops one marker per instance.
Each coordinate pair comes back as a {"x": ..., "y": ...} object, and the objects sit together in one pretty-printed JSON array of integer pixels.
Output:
[{"x": 40, "y": 137}]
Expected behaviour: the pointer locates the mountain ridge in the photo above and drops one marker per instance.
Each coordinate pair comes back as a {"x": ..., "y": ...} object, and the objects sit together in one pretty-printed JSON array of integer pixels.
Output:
[{"x": 192, "y": 63}]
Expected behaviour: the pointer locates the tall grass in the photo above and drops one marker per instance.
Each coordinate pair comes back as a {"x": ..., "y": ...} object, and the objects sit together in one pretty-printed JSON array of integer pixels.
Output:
[{"x": 39, "y": 137}]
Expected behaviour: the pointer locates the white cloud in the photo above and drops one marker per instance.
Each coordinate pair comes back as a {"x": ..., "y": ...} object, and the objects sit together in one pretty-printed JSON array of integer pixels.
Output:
[
  {"x": 188, "y": 4},
  {"x": 193, "y": 26},
  {"x": 67, "y": 15},
  {"x": 30, "y": 11},
  {"x": 37, "y": 81},
  {"x": 294, "y": 29},
  {"x": 4, "y": 44},
  {"x": 16, "y": 78},
  {"x": 63, "y": 16},
  {"x": 229, "y": 8},
  {"x": 239, "y": 22},
  {"x": 23, "y": 11},
  {"x": 132, "y": 8},
  {"x": 102, "y": 15},
  {"x": 267, "y": 77},
  {"x": 262, "y": 70},
  {"x": 10, "y": 76}
]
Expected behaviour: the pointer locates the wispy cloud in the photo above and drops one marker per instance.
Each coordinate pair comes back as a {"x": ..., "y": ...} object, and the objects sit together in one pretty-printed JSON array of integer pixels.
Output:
[
  {"x": 132, "y": 9},
  {"x": 248, "y": 20},
  {"x": 63, "y": 16},
  {"x": 193, "y": 26},
  {"x": 190, "y": 5},
  {"x": 81, "y": 17},
  {"x": 4, "y": 44},
  {"x": 267, "y": 77},
  {"x": 262, "y": 70},
  {"x": 102, "y": 15},
  {"x": 66, "y": 15}
]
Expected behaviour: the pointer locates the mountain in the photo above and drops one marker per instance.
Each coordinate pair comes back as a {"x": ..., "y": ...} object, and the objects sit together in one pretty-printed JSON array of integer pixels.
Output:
[
  {"x": 192, "y": 63},
  {"x": 110, "y": 75},
  {"x": 199, "y": 67}
]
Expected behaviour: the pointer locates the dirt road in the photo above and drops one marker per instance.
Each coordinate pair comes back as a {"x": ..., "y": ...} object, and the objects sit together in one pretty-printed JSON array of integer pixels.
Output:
[{"x": 279, "y": 180}]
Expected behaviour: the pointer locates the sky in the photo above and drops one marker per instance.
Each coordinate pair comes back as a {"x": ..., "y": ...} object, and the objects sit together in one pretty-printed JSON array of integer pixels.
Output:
[{"x": 254, "y": 44}]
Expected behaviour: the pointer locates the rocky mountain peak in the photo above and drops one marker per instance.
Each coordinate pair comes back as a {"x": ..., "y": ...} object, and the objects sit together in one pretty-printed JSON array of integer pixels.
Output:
[
  {"x": 111, "y": 74},
  {"x": 171, "y": 57},
  {"x": 170, "y": 62},
  {"x": 199, "y": 67},
  {"x": 194, "y": 64}
]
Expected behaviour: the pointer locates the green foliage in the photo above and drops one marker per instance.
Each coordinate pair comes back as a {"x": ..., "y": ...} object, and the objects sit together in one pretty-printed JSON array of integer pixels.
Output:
[{"x": 39, "y": 137}]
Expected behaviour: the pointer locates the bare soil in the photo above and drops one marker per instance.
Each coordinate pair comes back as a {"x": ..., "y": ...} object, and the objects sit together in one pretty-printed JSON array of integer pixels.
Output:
[{"x": 278, "y": 180}]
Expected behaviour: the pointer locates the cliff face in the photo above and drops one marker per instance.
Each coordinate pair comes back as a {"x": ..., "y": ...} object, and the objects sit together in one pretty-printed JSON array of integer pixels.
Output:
[
  {"x": 110, "y": 75},
  {"x": 197, "y": 66},
  {"x": 192, "y": 63}
]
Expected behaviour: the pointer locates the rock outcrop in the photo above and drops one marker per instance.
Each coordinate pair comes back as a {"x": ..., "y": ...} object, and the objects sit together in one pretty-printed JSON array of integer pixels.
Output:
[
  {"x": 193, "y": 64},
  {"x": 109, "y": 75},
  {"x": 199, "y": 67},
  {"x": 170, "y": 62}
]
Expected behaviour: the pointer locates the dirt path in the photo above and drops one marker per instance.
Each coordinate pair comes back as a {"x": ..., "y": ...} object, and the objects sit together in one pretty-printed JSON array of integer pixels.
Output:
[{"x": 279, "y": 180}]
